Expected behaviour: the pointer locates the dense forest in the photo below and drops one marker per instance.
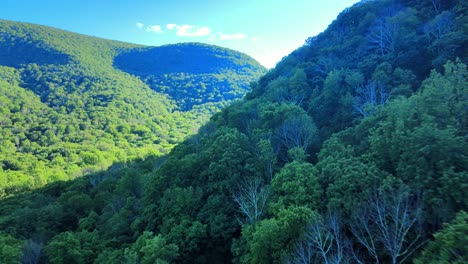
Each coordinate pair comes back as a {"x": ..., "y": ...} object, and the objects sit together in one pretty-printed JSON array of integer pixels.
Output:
[
  {"x": 71, "y": 104},
  {"x": 353, "y": 149}
]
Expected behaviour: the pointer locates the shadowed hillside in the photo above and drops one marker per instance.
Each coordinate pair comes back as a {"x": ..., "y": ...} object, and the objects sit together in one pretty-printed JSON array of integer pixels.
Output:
[{"x": 192, "y": 74}]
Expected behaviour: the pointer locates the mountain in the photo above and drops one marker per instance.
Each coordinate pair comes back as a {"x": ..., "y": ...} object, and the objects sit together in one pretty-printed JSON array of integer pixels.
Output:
[
  {"x": 353, "y": 149},
  {"x": 192, "y": 74},
  {"x": 72, "y": 104}
]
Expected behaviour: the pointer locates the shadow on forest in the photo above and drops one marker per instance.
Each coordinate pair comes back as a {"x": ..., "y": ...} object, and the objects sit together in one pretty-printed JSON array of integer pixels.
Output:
[
  {"x": 16, "y": 52},
  {"x": 61, "y": 206}
]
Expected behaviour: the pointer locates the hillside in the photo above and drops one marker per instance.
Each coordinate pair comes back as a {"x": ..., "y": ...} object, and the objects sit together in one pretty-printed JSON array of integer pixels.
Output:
[
  {"x": 352, "y": 150},
  {"x": 72, "y": 104},
  {"x": 192, "y": 74}
]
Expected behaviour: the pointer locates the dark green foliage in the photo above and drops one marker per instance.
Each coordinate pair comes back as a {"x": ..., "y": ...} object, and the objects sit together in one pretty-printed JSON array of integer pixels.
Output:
[
  {"x": 294, "y": 171},
  {"x": 192, "y": 73},
  {"x": 195, "y": 58},
  {"x": 450, "y": 243},
  {"x": 151, "y": 249},
  {"x": 10, "y": 248}
]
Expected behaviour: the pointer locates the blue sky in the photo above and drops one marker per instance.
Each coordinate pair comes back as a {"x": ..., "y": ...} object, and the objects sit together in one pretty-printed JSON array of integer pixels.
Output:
[{"x": 264, "y": 29}]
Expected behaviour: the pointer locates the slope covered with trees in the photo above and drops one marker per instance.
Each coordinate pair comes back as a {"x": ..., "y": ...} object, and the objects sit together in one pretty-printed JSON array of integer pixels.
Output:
[
  {"x": 352, "y": 150},
  {"x": 192, "y": 74},
  {"x": 67, "y": 111}
]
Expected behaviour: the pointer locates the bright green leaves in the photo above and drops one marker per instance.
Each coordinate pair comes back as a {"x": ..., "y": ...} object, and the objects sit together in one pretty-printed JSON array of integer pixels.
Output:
[
  {"x": 69, "y": 247},
  {"x": 270, "y": 240},
  {"x": 450, "y": 244},
  {"x": 150, "y": 249},
  {"x": 296, "y": 185}
]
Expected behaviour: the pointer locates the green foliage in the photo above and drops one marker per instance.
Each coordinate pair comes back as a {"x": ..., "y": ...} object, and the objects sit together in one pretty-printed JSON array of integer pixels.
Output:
[
  {"x": 152, "y": 249},
  {"x": 270, "y": 240},
  {"x": 296, "y": 185},
  {"x": 450, "y": 243},
  {"x": 193, "y": 74},
  {"x": 331, "y": 184},
  {"x": 71, "y": 247},
  {"x": 10, "y": 249},
  {"x": 66, "y": 110}
]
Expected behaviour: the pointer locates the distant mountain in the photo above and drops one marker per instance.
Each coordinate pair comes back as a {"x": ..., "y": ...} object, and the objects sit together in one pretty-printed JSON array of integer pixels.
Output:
[
  {"x": 192, "y": 73},
  {"x": 71, "y": 103}
]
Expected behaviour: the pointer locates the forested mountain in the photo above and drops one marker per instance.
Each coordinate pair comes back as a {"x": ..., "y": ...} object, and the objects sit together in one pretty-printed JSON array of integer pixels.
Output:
[
  {"x": 72, "y": 104},
  {"x": 352, "y": 150},
  {"x": 194, "y": 74}
]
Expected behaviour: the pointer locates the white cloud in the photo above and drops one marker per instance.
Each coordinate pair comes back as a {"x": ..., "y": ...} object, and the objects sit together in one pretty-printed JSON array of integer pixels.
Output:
[
  {"x": 256, "y": 38},
  {"x": 223, "y": 36},
  {"x": 155, "y": 28},
  {"x": 189, "y": 30},
  {"x": 171, "y": 26},
  {"x": 139, "y": 25}
]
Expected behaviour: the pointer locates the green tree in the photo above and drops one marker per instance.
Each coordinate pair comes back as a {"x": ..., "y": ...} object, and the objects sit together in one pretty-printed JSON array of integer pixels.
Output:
[
  {"x": 10, "y": 249},
  {"x": 296, "y": 185},
  {"x": 450, "y": 244},
  {"x": 65, "y": 248},
  {"x": 152, "y": 249}
]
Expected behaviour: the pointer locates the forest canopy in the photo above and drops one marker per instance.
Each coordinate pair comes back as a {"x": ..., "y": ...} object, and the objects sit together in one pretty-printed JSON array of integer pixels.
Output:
[
  {"x": 66, "y": 111},
  {"x": 352, "y": 150}
]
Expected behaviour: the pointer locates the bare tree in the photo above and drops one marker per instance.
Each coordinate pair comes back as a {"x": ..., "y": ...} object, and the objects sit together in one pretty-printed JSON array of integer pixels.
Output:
[
  {"x": 297, "y": 132},
  {"x": 31, "y": 252},
  {"x": 362, "y": 229},
  {"x": 303, "y": 253},
  {"x": 382, "y": 36},
  {"x": 395, "y": 217},
  {"x": 251, "y": 199},
  {"x": 440, "y": 25},
  {"x": 368, "y": 97},
  {"x": 324, "y": 240},
  {"x": 283, "y": 94},
  {"x": 392, "y": 214}
]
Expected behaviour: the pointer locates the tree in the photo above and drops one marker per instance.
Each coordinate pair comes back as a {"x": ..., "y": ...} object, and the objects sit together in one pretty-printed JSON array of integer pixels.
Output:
[
  {"x": 369, "y": 97},
  {"x": 392, "y": 222},
  {"x": 31, "y": 252},
  {"x": 251, "y": 199},
  {"x": 152, "y": 249},
  {"x": 69, "y": 247},
  {"x": 297, "y": 132},
  {"x": 324, "y": 242},
  {"x": 267, "y": 156},
  {"x": 450, "y": 244},
  {"x": 382, "y": 36},
  {"x": 439, "y": 26},
  {"x": 65, "y": 248},
  {"x": 10, "y": 249},
  {"x": 271, "y": 239},
  {"x": 296, "y": 184}
]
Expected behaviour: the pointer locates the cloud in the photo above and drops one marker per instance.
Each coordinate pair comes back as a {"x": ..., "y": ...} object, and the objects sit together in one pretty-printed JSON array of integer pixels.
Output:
[
  {"x": 223, "y": 36},
  {"x": 171, "y": 26},
  {"x": 256, "y": 38},
  {"x": 189, "y": 30},
  {"x": 139, "y": 25},
  {"x": 155, "y": 28}
]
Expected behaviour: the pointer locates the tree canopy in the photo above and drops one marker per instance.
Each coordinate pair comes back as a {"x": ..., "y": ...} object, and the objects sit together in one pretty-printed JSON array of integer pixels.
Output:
[{"x": 352, "y": 150}]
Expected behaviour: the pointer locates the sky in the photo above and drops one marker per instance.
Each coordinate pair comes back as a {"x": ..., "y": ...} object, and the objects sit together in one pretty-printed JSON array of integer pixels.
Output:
[{"x": 267, "y": 30}]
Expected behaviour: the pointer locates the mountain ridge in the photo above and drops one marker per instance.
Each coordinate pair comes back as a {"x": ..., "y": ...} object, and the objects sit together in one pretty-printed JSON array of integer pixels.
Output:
[{"x": 91, "y": 102}]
